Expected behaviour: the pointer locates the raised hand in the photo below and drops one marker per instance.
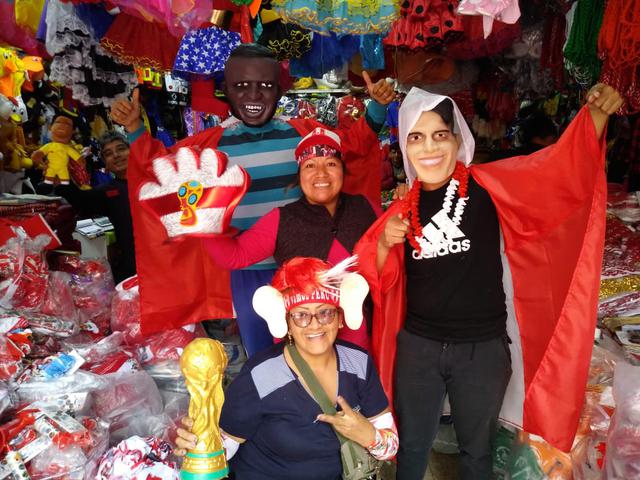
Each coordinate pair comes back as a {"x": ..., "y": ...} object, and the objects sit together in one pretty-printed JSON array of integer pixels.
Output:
[
  {"x": 382, "y": 91},
  {"x": 127, "y": 112},
  {"x": 604, "y": 98},
  {"x": 603, "y": 101},
  {"x": 351, "y": 424}
]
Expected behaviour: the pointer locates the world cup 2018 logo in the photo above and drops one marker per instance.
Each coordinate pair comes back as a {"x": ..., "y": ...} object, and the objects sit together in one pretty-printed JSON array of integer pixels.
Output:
[{"x": 189, "y": 194}]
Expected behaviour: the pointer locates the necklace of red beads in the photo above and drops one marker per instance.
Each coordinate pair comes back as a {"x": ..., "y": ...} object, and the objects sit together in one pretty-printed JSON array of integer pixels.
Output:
[{"x": 412, "y": 202}]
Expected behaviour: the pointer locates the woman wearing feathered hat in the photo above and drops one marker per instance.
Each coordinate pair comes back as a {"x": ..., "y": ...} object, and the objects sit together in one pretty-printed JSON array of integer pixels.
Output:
[
  {"x": 270, "y": 415},
  {"x": 501, "y": 261}
]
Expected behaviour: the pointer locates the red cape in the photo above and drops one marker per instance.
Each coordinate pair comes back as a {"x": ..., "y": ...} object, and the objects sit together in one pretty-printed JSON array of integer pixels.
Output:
[
  {"x": 179, "y": 283},
  {"x": 551, "y": 207}
]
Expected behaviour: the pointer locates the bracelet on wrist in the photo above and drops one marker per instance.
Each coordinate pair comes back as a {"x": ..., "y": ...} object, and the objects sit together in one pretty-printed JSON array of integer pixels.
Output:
[{"x": 376, "y": 441}]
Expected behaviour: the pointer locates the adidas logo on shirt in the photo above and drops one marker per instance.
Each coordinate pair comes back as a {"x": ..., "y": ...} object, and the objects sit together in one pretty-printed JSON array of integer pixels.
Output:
[{"x": 441, "y": 237}]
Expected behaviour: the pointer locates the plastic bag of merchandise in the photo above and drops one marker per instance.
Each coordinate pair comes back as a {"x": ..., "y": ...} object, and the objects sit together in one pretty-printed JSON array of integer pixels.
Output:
[
  {"x": 71, "y": 455},
  {"x": 70, "y": 392},
  {"x": 108, "y": 355},
  {"x": 15, "y": 344},
  {"x": 51, "y": 444},
  {"x": 125, "y": 311},
  {"x": 625, "y": 207},
  {"x": 92, "y": 288},
  {"x": 23, "y": 271},
  {"x": 158, "y": 353},
  {"x": 152, "y": 349},
  {"x": 50, "y": 325},
  {"x": 8, "y": 398},
  {"x": 137, "y": 458},
  {"x": 622, "y": 461},
  {"x": 588, "y": 456},
  {"x": 589, "y": 450},
  {"x": 132, "y": 404},
  {"x": 58, "y": 301}
]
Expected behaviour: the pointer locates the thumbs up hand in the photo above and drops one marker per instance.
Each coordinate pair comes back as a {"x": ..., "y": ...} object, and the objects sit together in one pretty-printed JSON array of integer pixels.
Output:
[
  {"x": 382, "y": 91},
  {"x": 127, "y": 112}
]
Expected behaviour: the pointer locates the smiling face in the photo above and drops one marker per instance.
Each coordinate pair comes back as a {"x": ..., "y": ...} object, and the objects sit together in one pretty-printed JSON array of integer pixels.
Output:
[
  {"x": 61, "y": 130},
  {"x": 315, "y": 338},
  {"x": 252, "y": 89},
  {"x": 116, "y": 157},
  {"x": 432, "y": 149},
  {"x": 321, "y": 180}
]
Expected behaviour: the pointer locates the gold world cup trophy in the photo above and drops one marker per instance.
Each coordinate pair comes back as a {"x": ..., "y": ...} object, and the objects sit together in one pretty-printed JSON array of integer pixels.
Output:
[{"x": 202, "y": 363}]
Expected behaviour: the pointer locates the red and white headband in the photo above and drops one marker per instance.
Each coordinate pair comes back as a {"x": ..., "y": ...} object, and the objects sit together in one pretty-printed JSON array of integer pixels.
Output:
[{"x": 310, "y": 280}]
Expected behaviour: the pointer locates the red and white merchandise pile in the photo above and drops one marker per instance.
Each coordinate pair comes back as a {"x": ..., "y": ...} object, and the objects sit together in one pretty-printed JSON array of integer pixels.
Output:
[{"x": 83, "y": 394}]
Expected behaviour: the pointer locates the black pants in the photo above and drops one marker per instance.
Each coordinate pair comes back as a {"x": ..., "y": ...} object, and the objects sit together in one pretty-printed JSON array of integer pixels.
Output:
[{"x": 475, "y": 375}]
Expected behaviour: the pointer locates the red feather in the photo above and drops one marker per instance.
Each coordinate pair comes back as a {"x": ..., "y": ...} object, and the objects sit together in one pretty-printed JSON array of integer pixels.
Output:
[{"x": 300, "y": 274}]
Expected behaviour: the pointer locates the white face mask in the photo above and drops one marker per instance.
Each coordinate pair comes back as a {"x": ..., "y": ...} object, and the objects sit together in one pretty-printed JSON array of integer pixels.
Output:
[{"x": 418, "y": 101}]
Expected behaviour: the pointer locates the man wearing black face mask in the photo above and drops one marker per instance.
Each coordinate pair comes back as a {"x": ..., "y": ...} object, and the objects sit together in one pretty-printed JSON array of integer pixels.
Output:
[{"x": 264, "y": 145}]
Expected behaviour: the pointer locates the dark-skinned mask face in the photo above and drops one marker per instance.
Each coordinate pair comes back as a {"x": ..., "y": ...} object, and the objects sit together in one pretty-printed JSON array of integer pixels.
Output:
[{"x": 252, "y": 89}]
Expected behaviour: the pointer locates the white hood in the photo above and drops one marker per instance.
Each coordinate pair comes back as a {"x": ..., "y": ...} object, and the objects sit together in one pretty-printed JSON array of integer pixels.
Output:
[{"x": 418, "y": 101}]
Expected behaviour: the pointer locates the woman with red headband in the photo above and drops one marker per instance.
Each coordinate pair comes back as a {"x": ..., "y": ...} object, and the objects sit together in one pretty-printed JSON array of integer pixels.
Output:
[
  {"x": 325, "y": 223},
  {"x": 274, "y": 428}
]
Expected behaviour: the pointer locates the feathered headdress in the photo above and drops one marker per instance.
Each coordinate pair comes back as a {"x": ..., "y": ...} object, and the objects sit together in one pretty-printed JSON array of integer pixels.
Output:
[{"x": 310, "y": 280}]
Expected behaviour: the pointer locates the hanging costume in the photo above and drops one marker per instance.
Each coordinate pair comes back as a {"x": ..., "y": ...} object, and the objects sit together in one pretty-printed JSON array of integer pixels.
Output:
[
  {"x": 353, "y": 17},
  {"x": 551, "y": 209},
  {"x": 179, "y": 282},
  {"x": 80, "y": 62}
]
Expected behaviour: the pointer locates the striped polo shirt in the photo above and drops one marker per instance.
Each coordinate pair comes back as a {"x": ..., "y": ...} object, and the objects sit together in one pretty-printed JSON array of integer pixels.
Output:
[{"x": 267, "y": 154}]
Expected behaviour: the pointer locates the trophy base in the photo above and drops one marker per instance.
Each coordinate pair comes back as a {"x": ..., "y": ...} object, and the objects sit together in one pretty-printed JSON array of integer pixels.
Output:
[
  {"x": 204, "y": 476},
  {"x": 204, "y": 466}
]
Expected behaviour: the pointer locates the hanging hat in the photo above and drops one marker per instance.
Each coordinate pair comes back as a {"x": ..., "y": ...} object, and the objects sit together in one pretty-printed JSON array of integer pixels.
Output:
[
  {"x": 321, "y": 142},
  {"x": 419, "y": 67},
  {"x": 311, "y": 280}
]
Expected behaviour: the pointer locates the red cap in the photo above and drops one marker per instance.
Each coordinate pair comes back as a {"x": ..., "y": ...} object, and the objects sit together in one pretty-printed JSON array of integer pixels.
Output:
[{"x": 318, "y": 137}]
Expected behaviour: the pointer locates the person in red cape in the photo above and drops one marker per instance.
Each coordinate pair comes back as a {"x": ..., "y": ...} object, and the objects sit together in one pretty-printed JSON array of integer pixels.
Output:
[
  {"x": 179, "y": 282},
  {"x": 486, "y": 270}
]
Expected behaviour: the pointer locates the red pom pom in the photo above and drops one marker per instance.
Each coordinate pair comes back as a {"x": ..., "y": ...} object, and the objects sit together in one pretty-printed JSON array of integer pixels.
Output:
[{"x": 300, "y": 274}]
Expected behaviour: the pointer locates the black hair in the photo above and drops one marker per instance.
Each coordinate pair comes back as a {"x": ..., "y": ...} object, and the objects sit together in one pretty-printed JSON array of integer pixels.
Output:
[
  {"x": 445, "y": 110},
  {"x": 537, "y": 125},
  {"x": 64, "y": 114},
  {"x": 252, "y": 50},
  {"x": 395, "y": 146}
]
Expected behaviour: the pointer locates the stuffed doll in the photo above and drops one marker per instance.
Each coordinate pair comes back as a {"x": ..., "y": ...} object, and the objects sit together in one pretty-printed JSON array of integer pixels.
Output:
[
  {"x": 8, "y": 67},
  {"x": 12, "y": 143},
  {"x": 63, "y": 161}
]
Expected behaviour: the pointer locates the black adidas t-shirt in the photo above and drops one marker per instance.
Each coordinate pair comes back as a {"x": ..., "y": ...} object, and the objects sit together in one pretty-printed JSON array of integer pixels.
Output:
[{"x": 456, "y": 295}]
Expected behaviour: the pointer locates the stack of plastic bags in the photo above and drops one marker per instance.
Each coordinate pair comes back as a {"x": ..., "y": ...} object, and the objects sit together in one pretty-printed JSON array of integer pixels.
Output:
[{"x": 70, "y": 386}]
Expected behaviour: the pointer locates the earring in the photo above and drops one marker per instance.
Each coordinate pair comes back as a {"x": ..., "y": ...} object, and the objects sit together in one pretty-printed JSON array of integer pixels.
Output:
[{"x": 289, "y": 339}]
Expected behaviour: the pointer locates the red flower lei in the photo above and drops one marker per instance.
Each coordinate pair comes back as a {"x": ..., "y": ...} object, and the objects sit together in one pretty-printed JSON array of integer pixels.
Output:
[{"x": 412, "y": 202}]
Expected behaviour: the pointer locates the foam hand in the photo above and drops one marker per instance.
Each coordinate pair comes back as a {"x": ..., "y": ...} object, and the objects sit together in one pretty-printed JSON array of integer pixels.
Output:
[{"x": 194, "y": 194}]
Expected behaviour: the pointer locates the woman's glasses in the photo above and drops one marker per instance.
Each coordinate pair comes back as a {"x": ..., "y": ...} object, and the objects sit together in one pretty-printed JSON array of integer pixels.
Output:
[{"x": 324, "y": 316}]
